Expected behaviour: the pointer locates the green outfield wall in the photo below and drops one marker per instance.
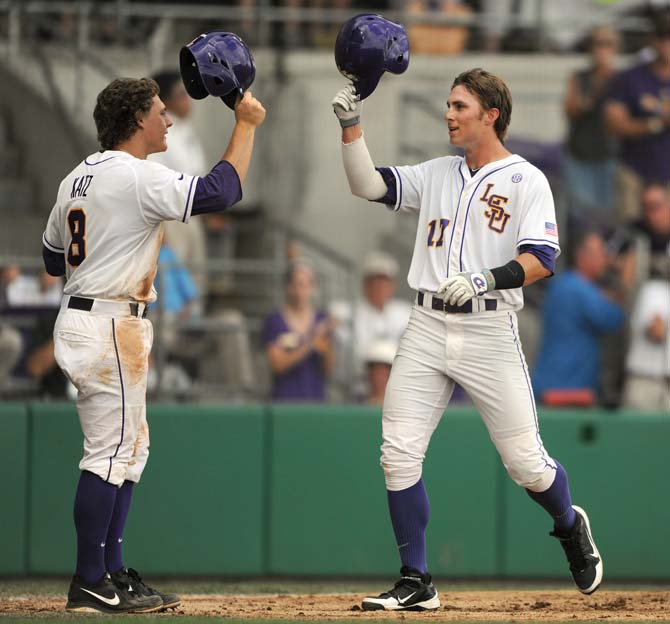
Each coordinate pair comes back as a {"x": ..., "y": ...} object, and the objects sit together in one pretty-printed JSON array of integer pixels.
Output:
[{"x": 298, "y": 490}]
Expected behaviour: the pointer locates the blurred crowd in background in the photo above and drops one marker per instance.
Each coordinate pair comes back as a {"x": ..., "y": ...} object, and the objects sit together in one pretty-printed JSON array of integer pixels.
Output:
[
  {"x": 595, "y": 334},
  {"x": 434, "y": 26}
]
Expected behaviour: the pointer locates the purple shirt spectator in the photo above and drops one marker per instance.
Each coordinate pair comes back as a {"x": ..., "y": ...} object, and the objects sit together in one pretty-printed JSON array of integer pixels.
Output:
[
  {"x": 643, "y": 93},
  {"x": 305, "y": 381}
]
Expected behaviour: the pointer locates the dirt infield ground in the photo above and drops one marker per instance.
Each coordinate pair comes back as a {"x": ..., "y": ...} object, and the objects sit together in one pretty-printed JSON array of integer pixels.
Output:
[{"x": 461, "y": 606}]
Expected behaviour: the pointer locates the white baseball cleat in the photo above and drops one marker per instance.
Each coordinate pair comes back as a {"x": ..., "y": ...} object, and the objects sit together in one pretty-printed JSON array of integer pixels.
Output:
[{"x": 413, "y": 592}]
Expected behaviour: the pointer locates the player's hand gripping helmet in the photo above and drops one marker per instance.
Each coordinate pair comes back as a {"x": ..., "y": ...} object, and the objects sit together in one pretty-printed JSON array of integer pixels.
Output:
[
  {"x": 367, "y": 46},
  {"x": 218, "y": 64}
]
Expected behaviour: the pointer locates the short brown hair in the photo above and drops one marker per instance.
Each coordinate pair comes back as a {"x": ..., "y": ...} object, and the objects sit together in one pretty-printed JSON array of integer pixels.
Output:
[
  {"x": 117, "y": 106},
  {"x": 491, "y": 92}
]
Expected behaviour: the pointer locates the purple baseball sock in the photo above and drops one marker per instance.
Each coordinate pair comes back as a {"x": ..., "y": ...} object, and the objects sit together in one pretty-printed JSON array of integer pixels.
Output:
[
  {"x": 113, "y": 544},
  {"x": 93, "y": 507},
  {"x": 556, "y": 500},
  {"x": 410, "y": 511}
]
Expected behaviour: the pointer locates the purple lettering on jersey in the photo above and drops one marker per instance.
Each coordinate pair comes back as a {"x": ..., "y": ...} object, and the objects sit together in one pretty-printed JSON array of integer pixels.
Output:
[{"x": 467, "y": 214}]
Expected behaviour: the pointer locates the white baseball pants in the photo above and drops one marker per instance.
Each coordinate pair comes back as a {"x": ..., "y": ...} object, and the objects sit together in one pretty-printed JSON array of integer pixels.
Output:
[
  {"x": 481, "y": 352},
  {"x": 105, "y": 354}
]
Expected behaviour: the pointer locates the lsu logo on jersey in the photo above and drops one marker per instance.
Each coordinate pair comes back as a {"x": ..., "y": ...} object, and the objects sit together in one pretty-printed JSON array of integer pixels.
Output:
[{"x": 496, "y": 214}]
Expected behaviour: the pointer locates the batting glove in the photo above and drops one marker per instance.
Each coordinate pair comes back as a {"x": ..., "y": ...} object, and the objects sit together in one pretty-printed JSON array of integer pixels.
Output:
[
  {"x": 460, "y": 288},
  {"x": 347, "y": 106}
]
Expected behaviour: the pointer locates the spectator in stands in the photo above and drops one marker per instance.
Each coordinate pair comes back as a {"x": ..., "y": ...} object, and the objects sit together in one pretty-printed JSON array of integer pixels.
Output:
[
  {"x": 590, "y": 163},
  {"x": 516, "y": 25},
  {"x": 647, "y": 384},
  {"x": 375, "y": 316},
  {"x": 185, "y": 153},
  {"x": 11, "y": 346},
  {"x": 296, "y": 33},
  {"x": 297, "y": 341},
  {"x": 22, "y": 289},
  {"x": 651, "y": 234},
  {"x": 576, "y": 313},
  {"x": 378, "y": 361},
  {"x": 638, "y": 113},
  {"x": 41, "y": 362},
  {"x": 177, "y": 305},
  {"x": 179, "y": 295},
  {"x": 37, "y": 297}
]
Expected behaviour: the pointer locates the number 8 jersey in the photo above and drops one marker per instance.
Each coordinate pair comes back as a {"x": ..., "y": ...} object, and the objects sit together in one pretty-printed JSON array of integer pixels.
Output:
[
  {"x": 107, "y": 220},
  {"x": 472, "y": 221}
]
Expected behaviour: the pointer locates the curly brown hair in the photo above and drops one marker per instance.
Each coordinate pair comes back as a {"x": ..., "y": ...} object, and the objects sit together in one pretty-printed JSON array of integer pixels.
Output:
[
  {"x": 117, "y": 107},
  {"x": 491, "y": 92}
]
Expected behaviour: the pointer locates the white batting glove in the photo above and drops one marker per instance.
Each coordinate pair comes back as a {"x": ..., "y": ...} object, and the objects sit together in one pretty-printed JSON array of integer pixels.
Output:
[
  {"x": 347, "y": 106},
  {"x": 460, "y": 288}
]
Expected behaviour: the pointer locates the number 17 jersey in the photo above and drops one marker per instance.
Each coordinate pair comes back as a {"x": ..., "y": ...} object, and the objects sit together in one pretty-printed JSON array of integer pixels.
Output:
[
  {"x": 107, "y": 221},
  {"x": 474, "y": 221}
]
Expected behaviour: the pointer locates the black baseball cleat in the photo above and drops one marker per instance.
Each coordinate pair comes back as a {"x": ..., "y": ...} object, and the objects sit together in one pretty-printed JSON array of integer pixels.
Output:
[
  {"x": 131, "y": 581},
  {"x": 413, "y": 592},
  {"x": 107, "y": 597},
  {"x": 586, "y": 564}
]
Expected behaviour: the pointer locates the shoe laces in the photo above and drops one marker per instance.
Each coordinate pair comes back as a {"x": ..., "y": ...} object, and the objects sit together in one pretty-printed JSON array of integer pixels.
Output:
[
  {"x": 409, "y": 579},
  {"x": 130, "y": 577},
  {"x": 134, "y": 574},
  {"x": 575, "y": 546}
]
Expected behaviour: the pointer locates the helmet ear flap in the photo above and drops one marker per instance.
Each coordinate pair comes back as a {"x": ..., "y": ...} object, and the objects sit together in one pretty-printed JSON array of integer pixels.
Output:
[
  {"x": 218, "y": 64},
  {"x": 188, "y": 67}
]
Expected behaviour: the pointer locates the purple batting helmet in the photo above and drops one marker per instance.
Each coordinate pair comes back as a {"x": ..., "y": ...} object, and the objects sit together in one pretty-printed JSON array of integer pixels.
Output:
[
  {"x": 367, "y": 46},
  {"x": 218, "y": 64}
]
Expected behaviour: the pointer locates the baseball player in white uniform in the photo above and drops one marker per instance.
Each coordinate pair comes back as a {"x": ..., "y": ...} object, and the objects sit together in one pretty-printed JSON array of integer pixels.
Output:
[
  {"x": 486, "y": 227},
  {"x": 104, "y": 234}
]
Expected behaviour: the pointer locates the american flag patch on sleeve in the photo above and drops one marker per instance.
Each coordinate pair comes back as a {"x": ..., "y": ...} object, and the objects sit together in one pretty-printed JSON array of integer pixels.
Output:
[{"x": 550, "y": 228}]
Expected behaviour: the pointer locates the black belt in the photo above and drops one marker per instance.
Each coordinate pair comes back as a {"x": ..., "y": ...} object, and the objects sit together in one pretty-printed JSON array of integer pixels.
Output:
[
  {"x": 85, "y": 304},
  {"x": 441, "y": 306}
]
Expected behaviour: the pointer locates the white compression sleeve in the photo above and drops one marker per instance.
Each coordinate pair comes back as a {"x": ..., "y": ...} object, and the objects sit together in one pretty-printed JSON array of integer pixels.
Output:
[{"x": 364, "y": 180}]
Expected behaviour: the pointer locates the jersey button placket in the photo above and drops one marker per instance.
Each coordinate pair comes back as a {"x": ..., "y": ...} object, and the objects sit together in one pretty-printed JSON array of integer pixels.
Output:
[{"x": 455, "y": 244}]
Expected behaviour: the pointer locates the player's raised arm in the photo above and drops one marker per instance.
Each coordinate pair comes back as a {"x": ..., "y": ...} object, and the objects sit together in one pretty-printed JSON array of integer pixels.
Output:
[
  {"x": 364, "y": 180},
  {"x": 221, "y": 65},
  {"x": 222, "y": 186},
  {"x": 367, "y": 46},
  {"x": 249, "y": 114}
]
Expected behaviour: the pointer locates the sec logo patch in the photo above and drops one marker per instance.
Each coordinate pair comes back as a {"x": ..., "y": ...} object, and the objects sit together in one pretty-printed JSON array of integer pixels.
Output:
[{"x": 516, "y": 178}]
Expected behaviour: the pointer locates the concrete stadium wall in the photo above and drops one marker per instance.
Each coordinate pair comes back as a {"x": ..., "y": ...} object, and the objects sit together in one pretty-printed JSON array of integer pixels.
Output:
[
  {"x": 296, "y": 174},
  {"x": 297, "y": 490}
]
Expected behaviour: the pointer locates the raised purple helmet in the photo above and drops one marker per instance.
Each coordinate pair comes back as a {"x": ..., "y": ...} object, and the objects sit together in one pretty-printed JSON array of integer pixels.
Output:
[
  {"x": 367, "y": 46},
  {"x": 218, "y": 64}
]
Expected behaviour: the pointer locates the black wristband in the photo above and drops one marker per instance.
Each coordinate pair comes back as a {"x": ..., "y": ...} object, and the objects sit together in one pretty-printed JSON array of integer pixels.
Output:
[{"x": 509, "y": 276}]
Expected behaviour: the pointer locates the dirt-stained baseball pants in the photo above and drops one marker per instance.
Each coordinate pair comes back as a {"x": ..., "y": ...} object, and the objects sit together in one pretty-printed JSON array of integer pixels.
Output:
[{"x": 105, "y": 354}]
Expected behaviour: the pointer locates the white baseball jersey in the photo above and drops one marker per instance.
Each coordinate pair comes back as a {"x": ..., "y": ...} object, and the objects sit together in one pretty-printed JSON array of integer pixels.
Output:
[
  {"x": 474, "y": 222},
  {"x": 107, "y": 220}
]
